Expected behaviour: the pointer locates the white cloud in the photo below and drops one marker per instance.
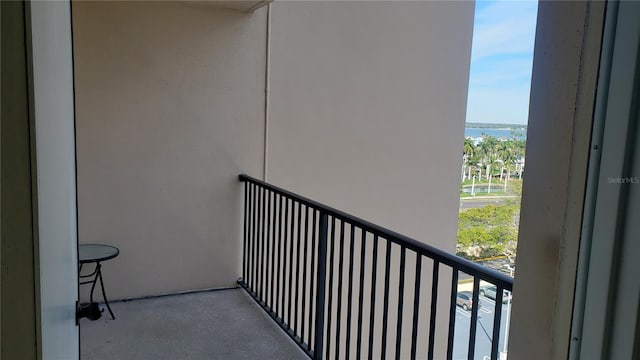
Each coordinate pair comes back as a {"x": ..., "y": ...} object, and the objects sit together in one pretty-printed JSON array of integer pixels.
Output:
[{"x": 504, "y": 28}]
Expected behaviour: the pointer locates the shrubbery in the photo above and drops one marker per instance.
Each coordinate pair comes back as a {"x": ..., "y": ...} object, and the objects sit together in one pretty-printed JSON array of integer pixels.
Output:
[{"x": 488, "y": 231}]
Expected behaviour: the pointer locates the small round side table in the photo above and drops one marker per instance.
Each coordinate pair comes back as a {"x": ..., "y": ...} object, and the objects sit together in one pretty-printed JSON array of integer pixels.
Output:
[{"x": 96, "y": 253}]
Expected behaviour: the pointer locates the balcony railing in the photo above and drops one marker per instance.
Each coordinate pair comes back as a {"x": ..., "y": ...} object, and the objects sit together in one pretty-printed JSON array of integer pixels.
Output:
[{"x": 343, "y": 287}]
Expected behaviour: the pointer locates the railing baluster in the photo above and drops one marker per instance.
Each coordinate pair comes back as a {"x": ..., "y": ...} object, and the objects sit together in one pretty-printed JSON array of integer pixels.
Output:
[
  {"x": 403, "y": 252},
  {"x": 267, "y": 217},
  {"x": 347, "y": 352},
  {"x": 281, "y": 264},
  {"x": 286, "y": 260},
  {"x": 273, "y": 252},
  {"x": 244, "y": 238},
  {"x": 321, "y": 281},
  {"x": 330, "y": 287},
  {"x": 250, "y": 237},
  {"x": 291, "y": 259},
  {"x": 279, "y": 257},
  {"x": 452, "y": 312},
  {"x": 339, "y": 303},
  {"x": 374, "y": 268},
  {"x": 256, "y": 240},
  {"x": 363, "y": 250},
  {"x": 304, "y": 274},
  {"x": 497, "y": 319},
  {"x": 385, "y": 309},
  {"x": 259, "y": 245},
  {"x": 434, "y": 306},
  {"x": 416, "y": 306},
  {"x": 297, "y": 286},
  {"x": 254, "y": 260},
  {"x": 262, "y": 243},
  {"x": 475, "y": 305},
  {"x": 313, "y": 271}
]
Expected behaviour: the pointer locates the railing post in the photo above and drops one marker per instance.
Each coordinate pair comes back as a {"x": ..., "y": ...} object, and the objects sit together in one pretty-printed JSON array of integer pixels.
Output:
[{"x": 321, "y": 284}]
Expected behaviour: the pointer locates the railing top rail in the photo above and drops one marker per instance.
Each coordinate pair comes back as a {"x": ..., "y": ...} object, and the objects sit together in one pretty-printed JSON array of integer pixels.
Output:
[{"x": 454, "y": 261}]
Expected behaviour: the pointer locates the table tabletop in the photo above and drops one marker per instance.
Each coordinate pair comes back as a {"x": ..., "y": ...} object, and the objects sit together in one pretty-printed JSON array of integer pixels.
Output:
[{"x": 96, "y": 252}]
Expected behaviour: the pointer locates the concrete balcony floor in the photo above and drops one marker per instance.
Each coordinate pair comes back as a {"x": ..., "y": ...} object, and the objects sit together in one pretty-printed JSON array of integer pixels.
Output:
[{"x": 222, "y": 324}]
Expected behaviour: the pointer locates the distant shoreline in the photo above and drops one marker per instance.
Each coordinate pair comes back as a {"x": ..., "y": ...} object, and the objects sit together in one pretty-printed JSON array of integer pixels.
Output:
[{"x": 496, "y": 126}]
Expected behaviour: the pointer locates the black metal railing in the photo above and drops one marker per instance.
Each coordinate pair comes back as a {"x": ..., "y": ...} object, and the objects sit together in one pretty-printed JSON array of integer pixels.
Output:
[{"x": 343, "y": 287}]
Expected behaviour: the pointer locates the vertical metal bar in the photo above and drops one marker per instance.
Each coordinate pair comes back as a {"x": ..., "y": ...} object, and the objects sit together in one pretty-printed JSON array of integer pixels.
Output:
[
  {"x": 372, "y": 312},
  {"x": 475, "y": 305},
  {"x": 250, "y": 240},
  {"x": 258, "y": 237},
  {"x": 313, "y": 284},
  {"x": 285, "y": 292},
  {"x": 297, "y": 286},
  {"x": 249, "y": 237},
  {"x": 267, "y": 243},
  {"x": 363, "y": 250},
  {"x": 350, "y": 293},
  {"x": 304, "y": 275},
  {"x": 497, "y": 319},
  {"x": 434, "y": 306},
  {"x": 254, "y": 268},
  {"x": 452, "y": 312},
  {"x": 279, "y": 256},
  {"x": 321, "y": 281},
  {"x": 244, "y": 238},
  {"x": 291, "y": 243},
  {"x": 340, "y": 276},
  {"x": 256, "y": 245},
  {"x": 403, "y": 252},
  {"x": 416, "y": 306},
  {"x": 385, "y": 309},
  {"x": 273, "y": 252},
  {"x": 282, "y": 242},
  {"x": 331, "y": 262},
  {"x": 262, "y": 244}
]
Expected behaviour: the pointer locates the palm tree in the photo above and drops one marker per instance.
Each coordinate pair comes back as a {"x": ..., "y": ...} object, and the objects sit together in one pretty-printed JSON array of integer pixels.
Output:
[
  {"x": 468, "y": 151},
  {"x": 492, "y": 160},
  {"x": 507, "y": 152},
  {"x": 469, "y": 147},
  {"x": 488, "y": 147}
]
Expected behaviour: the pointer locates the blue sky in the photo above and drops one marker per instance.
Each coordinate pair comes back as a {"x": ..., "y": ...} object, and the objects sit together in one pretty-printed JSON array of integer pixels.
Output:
[{"x": 501, "y": 59}]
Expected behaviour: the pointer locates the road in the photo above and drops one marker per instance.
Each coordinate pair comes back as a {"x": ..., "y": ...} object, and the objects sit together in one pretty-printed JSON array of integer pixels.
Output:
[
  {"x": 468, "y": 203},
  {"x": 484, "y": 330}
]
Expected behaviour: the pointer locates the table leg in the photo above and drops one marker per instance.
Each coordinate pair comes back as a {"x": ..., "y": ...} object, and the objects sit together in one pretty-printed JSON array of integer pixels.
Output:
[
  {"x": 97, "y": 275},
  {"x": 95, "y": 280},
  {"x": 104, "y": 295}
]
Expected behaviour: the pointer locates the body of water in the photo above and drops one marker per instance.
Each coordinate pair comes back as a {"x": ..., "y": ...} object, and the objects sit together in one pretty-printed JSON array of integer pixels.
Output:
[{"x": 498, "y": 133}]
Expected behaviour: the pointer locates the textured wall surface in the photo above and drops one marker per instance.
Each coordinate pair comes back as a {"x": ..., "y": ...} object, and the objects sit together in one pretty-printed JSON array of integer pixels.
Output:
[
  {"x": 170, "y": 109},
  {"x": 366, "y": 113}
]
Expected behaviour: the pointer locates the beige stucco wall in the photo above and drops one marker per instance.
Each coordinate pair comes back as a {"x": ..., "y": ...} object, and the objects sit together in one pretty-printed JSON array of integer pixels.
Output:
[
  {"x": 367, "y": 109},
  {"x": 366, "y": 113},
  {"x": 169, "y": 100}
]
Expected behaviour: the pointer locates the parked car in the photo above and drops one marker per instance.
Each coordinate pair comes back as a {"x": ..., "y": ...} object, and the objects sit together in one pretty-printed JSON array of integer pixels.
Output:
[
  {"x": 490, "y": 292},
  {"x": 465, "y": 300}
]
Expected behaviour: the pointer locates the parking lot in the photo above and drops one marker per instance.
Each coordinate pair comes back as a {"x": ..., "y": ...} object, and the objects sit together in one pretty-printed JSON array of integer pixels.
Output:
[{"x": 483, "y": 331}]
